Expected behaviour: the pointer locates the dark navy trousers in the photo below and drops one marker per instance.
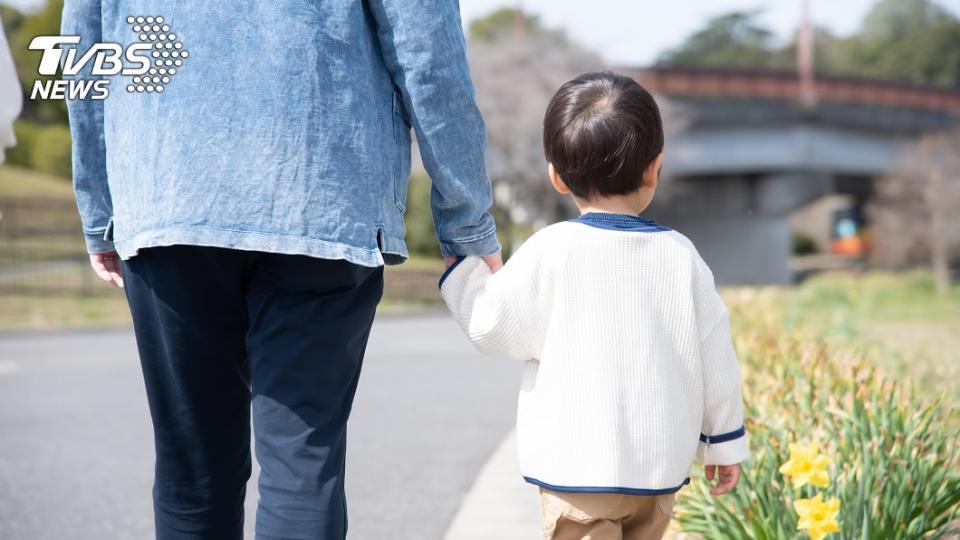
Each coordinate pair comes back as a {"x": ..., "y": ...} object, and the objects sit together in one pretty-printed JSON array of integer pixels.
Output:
[{"x": 220, "y": 329}]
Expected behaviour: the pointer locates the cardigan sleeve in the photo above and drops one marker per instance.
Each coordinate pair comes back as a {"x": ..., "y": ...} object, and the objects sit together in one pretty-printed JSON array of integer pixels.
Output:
[
  {"x": 723, "y": 439},
  {"x": 497, "y": 311}
]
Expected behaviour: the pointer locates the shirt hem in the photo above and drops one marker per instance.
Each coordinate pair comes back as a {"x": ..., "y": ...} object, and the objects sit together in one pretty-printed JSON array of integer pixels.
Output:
[
  {"x": 602, "y": 489},
  {"x": 252, "y": 241}
]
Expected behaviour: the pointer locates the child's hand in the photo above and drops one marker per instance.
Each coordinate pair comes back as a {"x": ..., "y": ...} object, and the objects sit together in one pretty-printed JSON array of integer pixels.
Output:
[{"x": 726, "y": 478}]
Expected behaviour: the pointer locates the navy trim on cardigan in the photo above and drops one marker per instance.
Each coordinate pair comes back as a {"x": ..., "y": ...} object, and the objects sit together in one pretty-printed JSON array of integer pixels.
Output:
[
  {"x": 723, "y": 437},
  {"x": 619, "y": 222},
  {"x": 449, "y": 269},
  {"x": 591, "y": 489}
]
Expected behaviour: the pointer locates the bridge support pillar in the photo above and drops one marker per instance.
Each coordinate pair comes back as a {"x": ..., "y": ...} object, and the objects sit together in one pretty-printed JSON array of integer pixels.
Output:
[{"x": 740, "y": 224}]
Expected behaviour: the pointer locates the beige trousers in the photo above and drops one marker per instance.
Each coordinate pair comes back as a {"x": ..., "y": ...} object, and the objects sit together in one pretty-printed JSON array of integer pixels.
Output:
[{"x": 604, "y": 516}]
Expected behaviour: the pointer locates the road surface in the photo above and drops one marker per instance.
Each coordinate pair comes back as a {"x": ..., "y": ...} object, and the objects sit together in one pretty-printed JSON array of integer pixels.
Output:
[{"x": 76, "y": 447}]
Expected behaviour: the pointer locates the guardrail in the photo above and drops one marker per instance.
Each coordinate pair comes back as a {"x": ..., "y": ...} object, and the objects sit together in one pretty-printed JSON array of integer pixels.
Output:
[{"x": 42, "y": 250}]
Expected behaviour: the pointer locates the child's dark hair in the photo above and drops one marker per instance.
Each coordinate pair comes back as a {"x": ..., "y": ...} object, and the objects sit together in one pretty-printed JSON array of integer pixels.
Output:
[{"x": 601, "y": 132}]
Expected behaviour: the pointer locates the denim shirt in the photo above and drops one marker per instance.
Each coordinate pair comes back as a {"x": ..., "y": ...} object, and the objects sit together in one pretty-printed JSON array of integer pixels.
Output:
[{"x": 286, "y": 129}]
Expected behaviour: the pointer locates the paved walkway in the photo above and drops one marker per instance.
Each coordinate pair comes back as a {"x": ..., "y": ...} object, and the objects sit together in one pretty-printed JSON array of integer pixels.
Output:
[
  {"x": 76, "y": 452},
  {"x": 432, "y": 455}
]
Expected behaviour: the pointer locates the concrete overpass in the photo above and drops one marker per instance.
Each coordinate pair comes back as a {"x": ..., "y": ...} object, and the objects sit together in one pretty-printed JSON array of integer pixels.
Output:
[{"x": 746, "y": 153}]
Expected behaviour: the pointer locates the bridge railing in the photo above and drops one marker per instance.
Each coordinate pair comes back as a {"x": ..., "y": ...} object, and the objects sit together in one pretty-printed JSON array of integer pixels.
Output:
[{"x": 680, "y": 81}]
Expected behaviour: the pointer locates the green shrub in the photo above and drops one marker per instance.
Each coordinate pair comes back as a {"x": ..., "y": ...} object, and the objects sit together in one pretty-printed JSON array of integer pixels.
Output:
[
  {"x": 421, "y": 237},
  {"x": 804, "y": 244},
  {"x": 51, "y": 153},
  {"x": 27, "y": 134},
  {"x": 44, "y": 148}
]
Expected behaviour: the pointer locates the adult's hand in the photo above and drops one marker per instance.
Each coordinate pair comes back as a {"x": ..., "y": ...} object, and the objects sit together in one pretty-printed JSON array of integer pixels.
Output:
[
  {"x": 494, "y": 261},
  {"x": 107, "y": 267}
]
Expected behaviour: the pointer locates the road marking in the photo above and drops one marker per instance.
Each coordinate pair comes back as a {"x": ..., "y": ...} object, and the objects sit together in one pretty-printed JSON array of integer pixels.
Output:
[{"x": 8, "y": 367}]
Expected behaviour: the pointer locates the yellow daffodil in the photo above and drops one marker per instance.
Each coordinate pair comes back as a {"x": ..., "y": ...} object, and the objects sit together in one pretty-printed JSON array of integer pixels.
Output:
[
  {"x": 806, "y": 465},
  {"x": 817, "y": 516}
]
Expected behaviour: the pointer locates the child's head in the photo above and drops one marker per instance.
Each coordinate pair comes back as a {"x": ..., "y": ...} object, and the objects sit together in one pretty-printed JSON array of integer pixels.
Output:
[{"x": 603, "y": 137}]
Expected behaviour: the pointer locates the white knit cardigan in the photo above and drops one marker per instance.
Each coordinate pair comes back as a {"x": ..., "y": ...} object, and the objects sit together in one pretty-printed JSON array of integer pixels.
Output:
[{"x": 630, "y": 370}]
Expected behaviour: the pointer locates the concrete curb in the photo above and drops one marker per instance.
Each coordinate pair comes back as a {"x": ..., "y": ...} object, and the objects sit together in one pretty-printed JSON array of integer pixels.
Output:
[{"x": 499, "y": 505}]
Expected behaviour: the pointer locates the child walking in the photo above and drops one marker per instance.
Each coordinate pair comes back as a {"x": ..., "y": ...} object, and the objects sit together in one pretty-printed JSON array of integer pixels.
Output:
[{"x": 630, "y": 374}]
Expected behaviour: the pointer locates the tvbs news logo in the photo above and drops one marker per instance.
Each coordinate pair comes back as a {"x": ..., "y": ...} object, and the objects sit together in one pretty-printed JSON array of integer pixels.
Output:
[{"x": 150, "y": 63}]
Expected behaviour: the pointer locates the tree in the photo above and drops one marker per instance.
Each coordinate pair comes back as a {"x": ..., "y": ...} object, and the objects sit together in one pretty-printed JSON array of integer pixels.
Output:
[
  {"x": 21, "y": 29},
  {"x": 914, "y": 212},
  {"x": 828, "y": 53},
  {"x": 732, "y": 40},
  {"x": 911, "y": 40},
  {"x": 500, "y": 24},
  {"x": 516, "y": 70}
]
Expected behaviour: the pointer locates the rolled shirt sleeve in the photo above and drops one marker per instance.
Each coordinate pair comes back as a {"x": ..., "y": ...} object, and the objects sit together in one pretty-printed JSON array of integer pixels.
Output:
[
  {"x": 82, "y": 18},
  {"x": 425, "y": 50}
]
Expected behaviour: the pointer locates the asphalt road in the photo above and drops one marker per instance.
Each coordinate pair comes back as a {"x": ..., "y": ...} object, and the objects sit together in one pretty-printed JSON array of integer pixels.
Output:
[{"x": 76, "y": 452}]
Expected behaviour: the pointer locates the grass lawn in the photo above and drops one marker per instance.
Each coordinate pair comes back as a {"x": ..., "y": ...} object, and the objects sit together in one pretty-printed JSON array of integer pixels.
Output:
[
  {"x": 20, "y": 182},
  {"x": 898, "y": 319},
  {"x": 23, "y": 312}
]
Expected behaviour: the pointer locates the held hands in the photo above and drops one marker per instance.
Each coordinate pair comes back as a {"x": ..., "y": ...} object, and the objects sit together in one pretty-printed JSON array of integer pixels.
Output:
[
  {"x": 494, "y": 261},
  {"x": 727, "y": 477},
  {"x": 107, "y": 267}
]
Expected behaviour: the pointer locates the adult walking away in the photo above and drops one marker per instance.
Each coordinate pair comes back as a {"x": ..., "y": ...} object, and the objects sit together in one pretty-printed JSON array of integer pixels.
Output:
[{"x": 248, "y": 207}]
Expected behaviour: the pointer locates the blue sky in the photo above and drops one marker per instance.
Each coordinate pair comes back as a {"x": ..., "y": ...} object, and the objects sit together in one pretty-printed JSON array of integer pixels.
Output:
[{"x": 636, "y": 31}]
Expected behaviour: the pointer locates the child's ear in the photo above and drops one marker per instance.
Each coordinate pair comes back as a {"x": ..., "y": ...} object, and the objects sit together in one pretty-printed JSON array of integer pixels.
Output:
[
  {"x": 652, "y": 175},
  {"x": 556, "y": 181}
]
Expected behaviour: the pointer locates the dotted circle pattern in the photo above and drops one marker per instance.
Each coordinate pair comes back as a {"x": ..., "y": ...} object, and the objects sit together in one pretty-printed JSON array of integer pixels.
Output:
[{"x": 167, "y": 52}]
